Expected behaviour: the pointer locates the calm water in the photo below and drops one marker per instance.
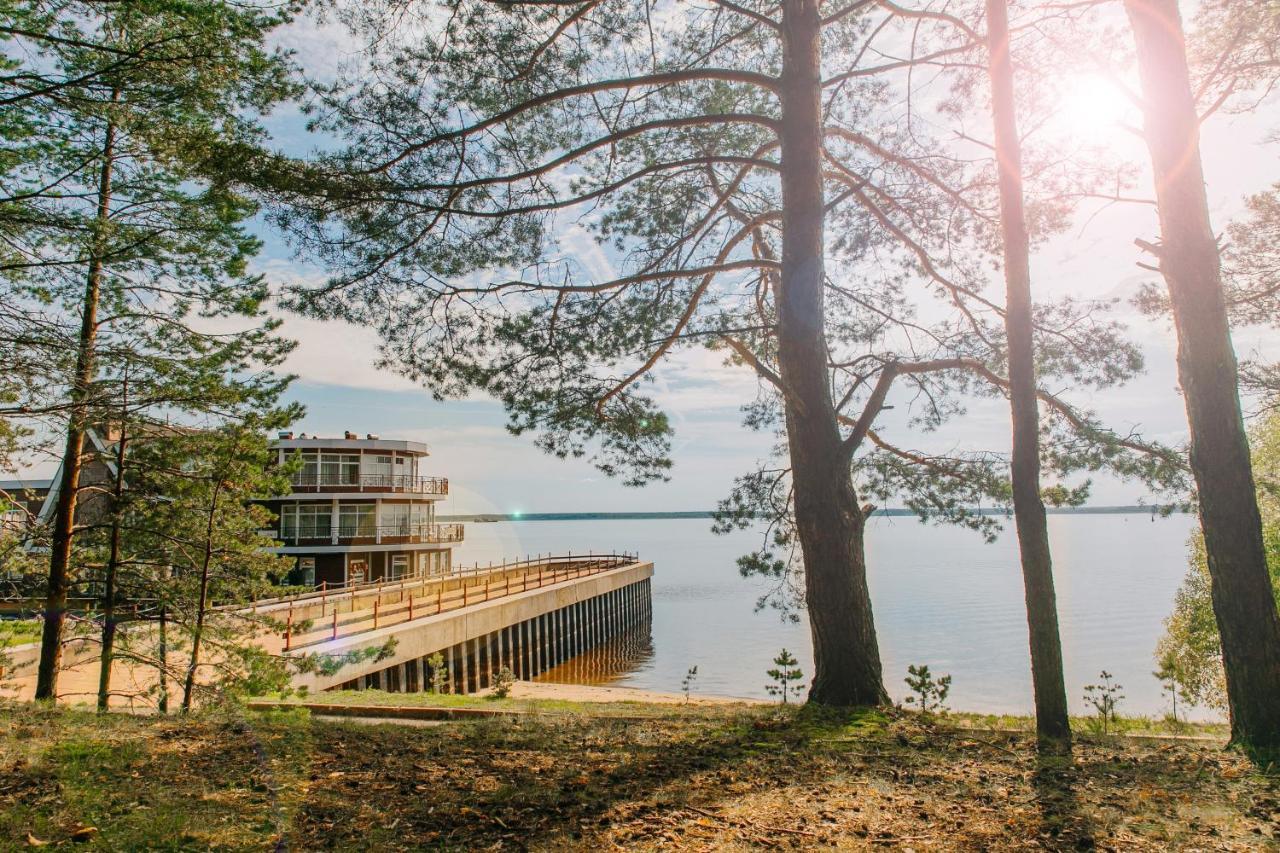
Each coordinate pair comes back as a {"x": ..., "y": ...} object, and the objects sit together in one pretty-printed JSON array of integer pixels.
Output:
[{"x": 941, "y": 597}]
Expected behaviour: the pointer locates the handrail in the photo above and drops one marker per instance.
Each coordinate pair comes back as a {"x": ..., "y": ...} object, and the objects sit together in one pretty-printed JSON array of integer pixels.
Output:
[
  {"x": 324, "y": 588},
  {"x": 414, "y": 532},
  {"x": 497, "y": 583},
  {"x": 374, "y": 482}
]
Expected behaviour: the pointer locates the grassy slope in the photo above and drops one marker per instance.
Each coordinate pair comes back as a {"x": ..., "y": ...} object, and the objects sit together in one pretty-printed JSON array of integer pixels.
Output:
[{"x": 701, "y": 778}]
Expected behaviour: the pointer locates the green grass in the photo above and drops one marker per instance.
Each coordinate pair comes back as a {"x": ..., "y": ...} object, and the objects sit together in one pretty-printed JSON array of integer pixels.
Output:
[
  {"x": 18, "y": 632},
  {"x": 145, "y": 783},
  {"x": 1132, "y": 726}
]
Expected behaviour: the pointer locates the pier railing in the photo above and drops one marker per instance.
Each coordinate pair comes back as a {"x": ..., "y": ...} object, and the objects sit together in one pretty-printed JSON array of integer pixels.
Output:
[{"x": 334, "y": 612}]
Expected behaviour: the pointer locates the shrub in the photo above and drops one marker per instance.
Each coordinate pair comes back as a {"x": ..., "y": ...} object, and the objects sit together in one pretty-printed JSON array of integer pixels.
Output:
[
  {"x": 439, "y": 673},
  {"x": 502, "y": 683},
  {"x": 786, "y": 670},
  {"x": 687, "y": 684},
  {"x": 1104, "y": 697},
  {"x": 930, "y": 693}
]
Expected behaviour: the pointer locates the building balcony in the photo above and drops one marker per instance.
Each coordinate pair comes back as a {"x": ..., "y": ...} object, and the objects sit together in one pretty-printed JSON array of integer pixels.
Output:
[
  {"x": 368, "y": 534},
  {"x": 402, "y": 483}
]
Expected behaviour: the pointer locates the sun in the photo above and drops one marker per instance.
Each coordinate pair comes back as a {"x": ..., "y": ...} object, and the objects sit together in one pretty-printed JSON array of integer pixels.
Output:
[{"x": 1093, "y": 110}]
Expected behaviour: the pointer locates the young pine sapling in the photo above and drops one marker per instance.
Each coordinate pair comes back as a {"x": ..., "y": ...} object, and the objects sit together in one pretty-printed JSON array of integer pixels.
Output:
[
  {"x": 786, "y": 670},
  {"x": 502, "y": 683},
  {"x": 1169, "y": 676},
  {"x": 930, "y": 692},
  {"x": 439, "y": 674},
  {"x": 1104, "y": 697},
  {"x": 686, "y": 685}
]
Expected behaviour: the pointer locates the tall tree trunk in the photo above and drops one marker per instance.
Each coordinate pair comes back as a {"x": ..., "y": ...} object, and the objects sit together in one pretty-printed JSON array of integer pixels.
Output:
[
  {"x": 188, "y": 689},
  {"x": 162, "y": 653},
  {"x": 1052, "y": 725},
  {"x": 1242, "y": 601},
  {"x": 113, "y": 563},
  {"x": 828, "y": 519},
  {"x": 64, "y": 519}
]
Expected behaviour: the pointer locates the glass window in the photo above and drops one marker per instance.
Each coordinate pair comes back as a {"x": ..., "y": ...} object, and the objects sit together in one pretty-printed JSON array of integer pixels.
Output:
[
  {"x": 304, "y": 521},
  {"x": 399, "y": 565},
  {"x": 315, "y": 520},
  {"x": 357, "y": 519},
  {"x": 395, "y": 519},
  {"x": 309, "y": 473},
  {"x": 340, "y": 469},
  {"x": 307, "y": 571}
]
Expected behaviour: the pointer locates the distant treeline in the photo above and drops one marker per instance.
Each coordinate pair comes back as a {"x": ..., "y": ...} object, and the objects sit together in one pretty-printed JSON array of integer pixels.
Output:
[{"x": 636, "y": 516}]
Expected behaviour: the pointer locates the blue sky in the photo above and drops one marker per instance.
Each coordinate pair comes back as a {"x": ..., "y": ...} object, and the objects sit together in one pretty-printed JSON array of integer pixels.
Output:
[{"x": 491, "y": 470}]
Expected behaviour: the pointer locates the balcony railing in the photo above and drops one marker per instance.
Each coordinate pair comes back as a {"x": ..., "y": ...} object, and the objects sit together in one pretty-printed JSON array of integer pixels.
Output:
[
  {"x": 370, "y": 534},
  {"x": 371, "y": 483}
]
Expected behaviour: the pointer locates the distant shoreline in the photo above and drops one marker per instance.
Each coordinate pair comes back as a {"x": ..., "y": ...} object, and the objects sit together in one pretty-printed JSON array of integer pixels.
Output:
[{"x": 659, "y": 516}]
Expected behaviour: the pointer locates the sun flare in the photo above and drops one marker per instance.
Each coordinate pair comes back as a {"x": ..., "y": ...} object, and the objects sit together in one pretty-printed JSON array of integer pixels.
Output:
[{"x": 1093, "y": 110}]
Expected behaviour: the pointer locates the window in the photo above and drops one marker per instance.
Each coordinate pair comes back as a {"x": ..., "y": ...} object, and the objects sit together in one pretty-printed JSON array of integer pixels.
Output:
[
  {"x": 357, "y": 519},
  {"x": 435, "y": 562},
  {"x": 307, "y": 571},
  {"x": 310, "y": 473},
  {"x": 305, "y": 521},
  {"x": 399, "y": 565},
  {"x": 340, "y": 469},
  {"x": 396, "y": 520}
]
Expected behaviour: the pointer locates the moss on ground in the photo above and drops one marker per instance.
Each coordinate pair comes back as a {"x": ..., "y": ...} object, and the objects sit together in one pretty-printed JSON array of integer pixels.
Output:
[{"x": 722, "y": 778}]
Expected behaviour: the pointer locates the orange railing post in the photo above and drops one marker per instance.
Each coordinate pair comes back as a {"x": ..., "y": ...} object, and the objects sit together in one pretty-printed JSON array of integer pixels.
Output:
[
  {"x": 335, "y": 623},
  {"x": 288, "y": 629},
  {"x": 376, "y": 601},
  {"x": 410, "y": 607}
]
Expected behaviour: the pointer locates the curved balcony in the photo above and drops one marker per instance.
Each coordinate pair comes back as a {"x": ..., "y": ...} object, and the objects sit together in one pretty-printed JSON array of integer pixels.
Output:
[
  {"x": 369, "y": 534},
  {"x": 403, "y": 483}
]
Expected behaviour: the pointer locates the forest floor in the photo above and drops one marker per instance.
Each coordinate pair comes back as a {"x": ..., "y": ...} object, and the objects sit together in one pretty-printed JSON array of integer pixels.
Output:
[{"x": 697, "y": 777}]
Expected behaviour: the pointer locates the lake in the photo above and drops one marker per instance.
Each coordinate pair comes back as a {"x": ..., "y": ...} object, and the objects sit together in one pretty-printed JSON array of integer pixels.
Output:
[{"x": 942, "y": 597}]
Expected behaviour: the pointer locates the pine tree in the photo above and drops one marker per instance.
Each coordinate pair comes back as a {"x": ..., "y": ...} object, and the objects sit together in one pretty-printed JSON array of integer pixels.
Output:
[
  {"x": 752, "y": 214},
  {"x": 785, "y": 670},
  {"x": 1190, "y": 263},
  {"x": 134, "y": 252}
]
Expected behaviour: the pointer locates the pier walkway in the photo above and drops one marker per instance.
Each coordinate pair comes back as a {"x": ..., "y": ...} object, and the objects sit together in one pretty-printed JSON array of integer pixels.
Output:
[
  {"x": 528, "y": 616},
  {"x": 453, "y": 631}
]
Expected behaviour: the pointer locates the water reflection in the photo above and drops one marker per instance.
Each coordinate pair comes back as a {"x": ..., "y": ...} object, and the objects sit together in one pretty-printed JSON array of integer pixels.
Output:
[{"x": 615, "y": 658}]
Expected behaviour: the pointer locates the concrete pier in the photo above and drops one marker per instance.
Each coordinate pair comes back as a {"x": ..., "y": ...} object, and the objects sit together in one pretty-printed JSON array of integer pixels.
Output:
[
  {"x": 530, "y": 632},
  {"x": 567, "y": 638}
]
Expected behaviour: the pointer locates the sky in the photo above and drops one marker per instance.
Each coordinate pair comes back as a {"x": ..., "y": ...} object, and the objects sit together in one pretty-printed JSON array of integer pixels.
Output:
[{"x": 493, "y": 471}]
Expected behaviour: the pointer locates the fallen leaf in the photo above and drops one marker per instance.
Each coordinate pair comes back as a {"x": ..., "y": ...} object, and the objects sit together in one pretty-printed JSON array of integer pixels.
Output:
[
  {"x": 84, "y": 833},
  {"x": 32, "y": 841}
]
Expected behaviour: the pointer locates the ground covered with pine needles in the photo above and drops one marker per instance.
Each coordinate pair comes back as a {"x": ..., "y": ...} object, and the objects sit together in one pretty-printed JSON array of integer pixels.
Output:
[{"x": 681, "y": 778}]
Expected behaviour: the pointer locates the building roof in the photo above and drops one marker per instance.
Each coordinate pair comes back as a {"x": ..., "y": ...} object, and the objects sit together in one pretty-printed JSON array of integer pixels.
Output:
[
  {"x": 300, "y": 442},
  {"x": 20, "y": 485}
]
